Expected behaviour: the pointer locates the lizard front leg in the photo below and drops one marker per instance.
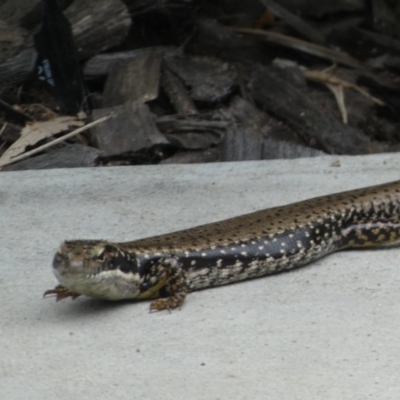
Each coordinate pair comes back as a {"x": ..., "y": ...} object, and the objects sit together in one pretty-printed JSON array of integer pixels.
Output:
[{"x": 171, "y": 285}]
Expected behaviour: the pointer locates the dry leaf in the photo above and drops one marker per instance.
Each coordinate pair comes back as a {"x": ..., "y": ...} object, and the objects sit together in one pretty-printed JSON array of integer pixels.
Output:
[{"x": 37, "y": 131}]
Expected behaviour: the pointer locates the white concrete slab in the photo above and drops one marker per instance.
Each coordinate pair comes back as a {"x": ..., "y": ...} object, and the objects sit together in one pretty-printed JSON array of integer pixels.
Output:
[{"x": 327, "y": 331}]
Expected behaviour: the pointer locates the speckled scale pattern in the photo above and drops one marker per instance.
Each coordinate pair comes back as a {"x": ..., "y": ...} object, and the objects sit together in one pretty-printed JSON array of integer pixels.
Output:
[
  {"x": 280, "y": 238},
  {"x": 240, "y": 248}
]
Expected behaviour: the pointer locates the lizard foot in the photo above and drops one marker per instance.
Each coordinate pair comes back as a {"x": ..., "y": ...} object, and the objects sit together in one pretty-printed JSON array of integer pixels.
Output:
[
  {"x": 61, "y": 292},
  {"x": 175, "y": 290}
]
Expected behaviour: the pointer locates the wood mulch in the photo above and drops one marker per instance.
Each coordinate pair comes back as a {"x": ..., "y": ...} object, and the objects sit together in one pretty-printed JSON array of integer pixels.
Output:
[{"x": 112, "y": 82}]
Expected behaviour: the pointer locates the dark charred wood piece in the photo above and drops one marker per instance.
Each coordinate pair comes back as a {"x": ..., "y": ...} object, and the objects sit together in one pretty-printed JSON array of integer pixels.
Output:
[
  {"x": 99, "y": 65},
  {"x": 132, "y": 129},
  {"x": 210, "y": 80},
  {"x": 215, "y": 40},
  {"x": 134, "y": 80},
  {"x": 185, "y": 123},
  {"x": 293, "y": 106},
  {"x": 295, "y": 22},
  {"x": 192, "y": 132},
  {"x": 319, "y": 9},
  {"x": 17, "y": 69},
  {"x": 194, "y": 157},
  {"x": 98, "y": 25},
  {"x": 177, "y": 92},
  {"x": 64, "y": 156}
]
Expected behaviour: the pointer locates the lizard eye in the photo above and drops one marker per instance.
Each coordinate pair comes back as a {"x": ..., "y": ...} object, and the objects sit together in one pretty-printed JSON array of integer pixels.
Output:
[
  {"x": 57, "y": 260},
  {"x": 102, "y": 256}
]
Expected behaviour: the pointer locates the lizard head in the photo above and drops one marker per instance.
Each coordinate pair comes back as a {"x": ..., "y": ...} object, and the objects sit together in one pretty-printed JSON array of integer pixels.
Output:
[{"x": 97, "y": 268}]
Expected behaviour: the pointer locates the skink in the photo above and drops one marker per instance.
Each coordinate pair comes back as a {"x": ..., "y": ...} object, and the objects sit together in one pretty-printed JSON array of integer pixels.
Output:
[{"x": 167, "y": 267}]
